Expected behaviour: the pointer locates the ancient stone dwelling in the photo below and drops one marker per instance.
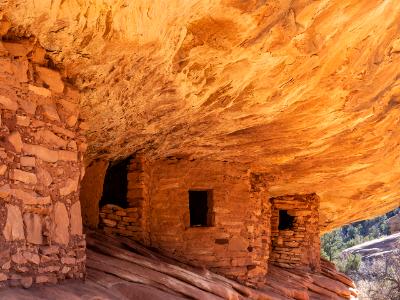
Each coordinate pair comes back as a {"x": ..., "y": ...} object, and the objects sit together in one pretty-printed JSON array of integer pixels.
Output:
[
  {"x": 207, "y": 213},
  {"x": 213, "y": 214}
]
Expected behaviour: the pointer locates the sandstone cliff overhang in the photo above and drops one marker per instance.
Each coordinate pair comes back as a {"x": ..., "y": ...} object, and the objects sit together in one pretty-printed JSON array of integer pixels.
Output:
[{"x": 305, "y": 92}]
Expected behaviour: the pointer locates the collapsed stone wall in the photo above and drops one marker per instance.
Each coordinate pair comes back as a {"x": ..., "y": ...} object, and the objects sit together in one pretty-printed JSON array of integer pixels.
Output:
[
  {"x": 299, "y": 246},
  {"x": 41, "y": 150}
]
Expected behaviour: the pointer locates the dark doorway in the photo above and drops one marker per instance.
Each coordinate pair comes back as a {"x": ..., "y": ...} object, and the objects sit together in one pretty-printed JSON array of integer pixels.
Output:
[
  {"x": 115, "y": 186},
  {"x": 200, "y": 208},
  {"x": 285, "y": 220}
]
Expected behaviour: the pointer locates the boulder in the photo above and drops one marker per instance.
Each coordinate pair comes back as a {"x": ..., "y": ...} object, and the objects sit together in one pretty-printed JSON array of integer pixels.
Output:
[{"x": 26, "y": 282}]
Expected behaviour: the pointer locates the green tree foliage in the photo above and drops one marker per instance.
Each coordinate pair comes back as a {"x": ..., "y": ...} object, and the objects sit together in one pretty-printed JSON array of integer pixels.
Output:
[
  {"x": 350, "y": 263},
  {"x": 334, "y": 242},
  {"x": 331, "y": 244},
  {"x": 376, "y": 279}
]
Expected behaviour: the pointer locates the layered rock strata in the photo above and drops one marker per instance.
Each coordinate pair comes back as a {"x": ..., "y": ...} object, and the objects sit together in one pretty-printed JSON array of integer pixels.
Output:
[{"x": 41, "y": 153}]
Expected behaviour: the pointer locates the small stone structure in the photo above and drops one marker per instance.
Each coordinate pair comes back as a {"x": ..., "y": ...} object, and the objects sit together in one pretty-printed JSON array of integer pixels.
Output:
[
  {"x": 41, "y": 150},
  {"x": 239, "y": 231},
  {"x": 234, "y": 244},
  {"x": 295, "y": 232}
]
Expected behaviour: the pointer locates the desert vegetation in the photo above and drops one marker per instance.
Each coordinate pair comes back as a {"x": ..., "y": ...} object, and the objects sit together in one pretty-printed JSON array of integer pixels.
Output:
[{"x": 376, "y": 278}]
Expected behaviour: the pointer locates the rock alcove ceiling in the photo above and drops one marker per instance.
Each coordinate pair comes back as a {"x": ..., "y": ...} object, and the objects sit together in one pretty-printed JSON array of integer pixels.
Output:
[{"x": 307, "y": 92}]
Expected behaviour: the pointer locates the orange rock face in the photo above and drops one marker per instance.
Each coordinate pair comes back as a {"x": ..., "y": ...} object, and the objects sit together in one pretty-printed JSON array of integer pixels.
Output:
[{"x": 305, "y": 92}]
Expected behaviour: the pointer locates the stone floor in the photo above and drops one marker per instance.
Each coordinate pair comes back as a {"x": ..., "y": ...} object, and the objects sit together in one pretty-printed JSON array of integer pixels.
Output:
[{"x": 100, "y": 286}]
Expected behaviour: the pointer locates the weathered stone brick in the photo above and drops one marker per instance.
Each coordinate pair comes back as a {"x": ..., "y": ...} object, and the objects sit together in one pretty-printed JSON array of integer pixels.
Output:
[
  {"x": 8, "y": 103},
  {"x": 25, "y": 177},
  {"x": 15, "y": 140},
  {"x": 14, "y": 228},
  {"x": 33, "y": 226}
]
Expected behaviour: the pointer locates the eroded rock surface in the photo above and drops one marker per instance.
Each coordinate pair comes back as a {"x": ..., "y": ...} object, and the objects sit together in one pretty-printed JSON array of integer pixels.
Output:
[
  {"x": 304, "y": 91},
  {"x": 377, "y": 248}
]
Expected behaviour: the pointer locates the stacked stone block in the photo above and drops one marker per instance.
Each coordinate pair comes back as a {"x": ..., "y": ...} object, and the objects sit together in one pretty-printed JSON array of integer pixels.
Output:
[
  {"x": 120, "y": 221},
  {"x": 298, "y": 247},
  {"x": 132, "y": 221},
  {"x": 41, "y": 149}
]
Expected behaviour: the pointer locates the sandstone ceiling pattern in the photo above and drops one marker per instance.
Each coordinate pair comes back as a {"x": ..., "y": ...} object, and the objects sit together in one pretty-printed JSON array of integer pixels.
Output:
[{"x": 307, "y": 92}]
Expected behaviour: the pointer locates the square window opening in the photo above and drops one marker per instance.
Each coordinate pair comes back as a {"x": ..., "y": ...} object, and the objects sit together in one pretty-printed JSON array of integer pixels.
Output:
[
  {"x": 200, "y": 208},
  {"x": 286, "y": 221}
]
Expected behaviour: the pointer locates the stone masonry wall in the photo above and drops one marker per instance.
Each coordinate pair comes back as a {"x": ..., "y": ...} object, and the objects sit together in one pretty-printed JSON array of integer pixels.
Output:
[
  {"x": 237, "y": 243},
  {"x": 132, "y": 221},
  {"x": 298, "y": 247},
  {"x": 120, "y": 221},
  {"x": 41, "y": 149}
]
